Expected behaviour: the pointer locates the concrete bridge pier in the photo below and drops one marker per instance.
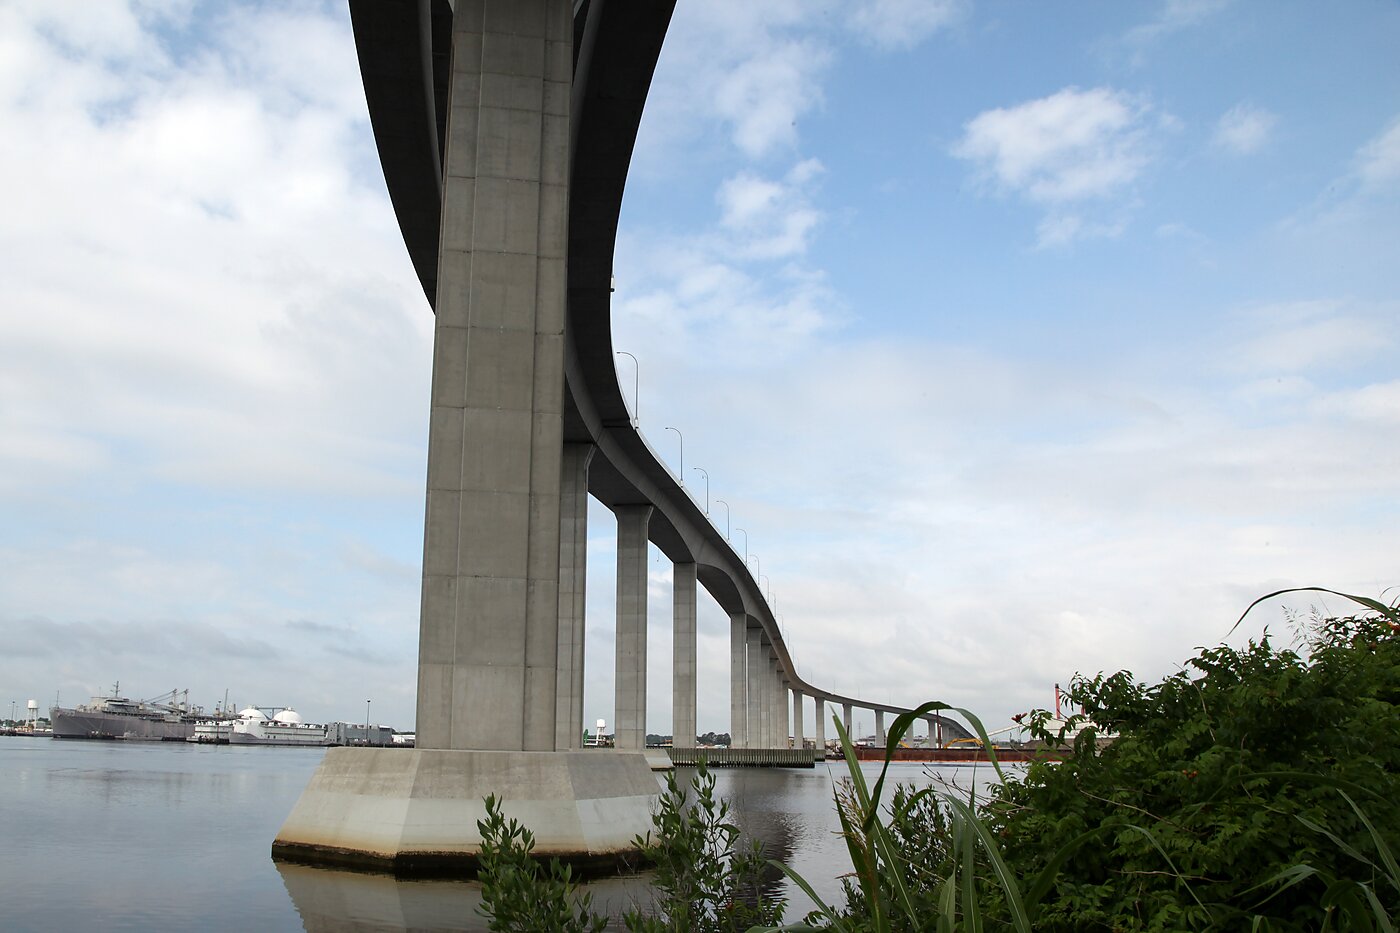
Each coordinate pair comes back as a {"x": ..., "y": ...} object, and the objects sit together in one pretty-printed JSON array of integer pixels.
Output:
[
  {"x": 846, "y": 719},
  {"x": 780, "y": 697},
  {"x": 777, "y": 707},
  {"x": 880, "y": 727},
  {"x": 738, "y": 672},
  {"x": 573, "y": 577},
  {"x": 500, "y": 488},
  {"x": 683, "y": 651},
  {"x": 631, "y": 656},
  {"x": 757, "y": 666},
  {"x": 819, "y": 727},
  {"x": 797, "y": 737}
]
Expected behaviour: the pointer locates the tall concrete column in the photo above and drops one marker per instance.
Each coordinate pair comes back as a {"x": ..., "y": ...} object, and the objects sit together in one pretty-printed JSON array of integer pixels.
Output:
[
  {"x": 777, "y": 716},
  {"x": 683, "y": 726},
  {"x": 489, "y": 659},
  {"x": 631, "y": 687},
  {"x": 880, "y": 727},
  {"x": 757, "y": 670},
  {"x": 846, "y": 720},
  {"x": 781, "y": 698},
  {"x": 488, "y": 637},
  {"x": 820, "y": 729},
  {"x": 738, "y": 685},
  {"x": 573, "y": 577},
  {"x": 797, "y": 737}
]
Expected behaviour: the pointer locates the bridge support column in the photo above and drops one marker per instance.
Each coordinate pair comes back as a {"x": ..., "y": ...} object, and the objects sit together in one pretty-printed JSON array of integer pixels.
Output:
[
  {"x": 880, "y": 727},
  {"x": 757, "y": 671},
  {"x": 777, "y": 717},
  {"x": 573, "y": 577},
  {"x": 738, "y": 672},
  {"x": 683, "y": 580},
  {"x": 797, "y": 737},
  {"x": 846, "y": 720},
  {"x": 488, "y": 651},
  {"x": 784, "y": 726},
  {"x": 819, "y": 729},
  {"x": 631, "y": 686}
]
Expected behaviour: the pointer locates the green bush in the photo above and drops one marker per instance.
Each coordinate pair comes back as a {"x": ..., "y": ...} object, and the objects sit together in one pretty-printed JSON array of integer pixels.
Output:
[
  {"x": 1256, "y": 788},
  {"x": 705, "y": 884}
]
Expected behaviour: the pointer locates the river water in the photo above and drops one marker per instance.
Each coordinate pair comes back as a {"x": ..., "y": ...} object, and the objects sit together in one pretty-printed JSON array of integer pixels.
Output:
[{"x": 171, "y": 837}]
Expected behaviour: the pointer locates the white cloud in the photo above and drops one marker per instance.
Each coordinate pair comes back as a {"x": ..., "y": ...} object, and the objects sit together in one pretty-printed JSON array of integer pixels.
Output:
[
  {"x": 1378, "y": 162},
  {"x": 1067, "y": 149},
  {"x": 1302, "y": 336},
  {"x": 1244, "y": 129},
  {"x": 760, "y": 65},
  {"x": 1379, "y": 402},
  {"x": 1174, "y": 16},
  {"x": 1070, "y": 146},
  {"x": 903, "y": 24},
  {"x": 773, "y": 219}
]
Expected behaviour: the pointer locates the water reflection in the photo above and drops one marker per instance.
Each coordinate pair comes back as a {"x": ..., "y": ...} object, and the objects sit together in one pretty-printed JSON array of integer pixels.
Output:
[
  {"x": 790, "y": 811},
  {"x": 331, "y": 900}
]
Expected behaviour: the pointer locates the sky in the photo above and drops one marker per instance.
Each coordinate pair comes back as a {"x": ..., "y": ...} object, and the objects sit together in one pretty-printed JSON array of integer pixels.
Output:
[{"x": 1020, "y": 340}]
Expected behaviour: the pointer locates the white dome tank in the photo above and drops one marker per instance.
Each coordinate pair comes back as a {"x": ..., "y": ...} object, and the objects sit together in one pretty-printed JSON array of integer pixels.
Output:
[
  {"x": 288, "y": 717},
  {"x": 251, "y": 712}
]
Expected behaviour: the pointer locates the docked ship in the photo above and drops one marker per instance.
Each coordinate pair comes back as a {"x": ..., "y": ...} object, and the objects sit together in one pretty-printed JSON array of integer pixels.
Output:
[
  {"x": 282, "y": 726},
  {"x": 275, "y": 726},
  {"x": 167, "y": 718}
]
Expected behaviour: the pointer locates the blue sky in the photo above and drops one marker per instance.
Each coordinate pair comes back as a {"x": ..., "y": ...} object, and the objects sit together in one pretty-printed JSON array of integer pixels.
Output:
[{"x": 1020, "y": 340}]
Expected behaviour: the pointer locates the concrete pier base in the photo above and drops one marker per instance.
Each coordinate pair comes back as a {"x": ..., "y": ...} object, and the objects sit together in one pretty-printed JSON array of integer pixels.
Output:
[{"x": 414, "y": 811}]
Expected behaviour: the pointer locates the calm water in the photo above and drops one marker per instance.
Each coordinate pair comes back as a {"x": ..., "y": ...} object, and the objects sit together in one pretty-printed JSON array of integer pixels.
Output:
[{"x": 166, "y": 837}]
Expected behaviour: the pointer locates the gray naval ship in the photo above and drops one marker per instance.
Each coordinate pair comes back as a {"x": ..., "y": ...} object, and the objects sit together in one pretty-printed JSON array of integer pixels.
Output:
[{"x": 167, "y": 718}]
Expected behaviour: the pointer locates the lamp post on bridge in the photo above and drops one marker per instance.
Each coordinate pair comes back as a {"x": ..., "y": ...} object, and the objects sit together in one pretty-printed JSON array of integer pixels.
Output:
[
  {"x": 757, "y": 567},
  {"x": 681, "y": 460},
  {"x": 636, "y": 388},
  {"x": 366, "y": 722},
  {"x": 706, "y": 474},
  {"x": 726, "y": 509},
  {"x": 746, "y": 545}
]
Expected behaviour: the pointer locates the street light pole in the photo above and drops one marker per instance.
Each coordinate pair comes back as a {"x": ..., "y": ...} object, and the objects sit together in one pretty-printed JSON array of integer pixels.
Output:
[
  {"x": 726, "y": 510},
  {"x": 636, "y": 388},
  {"x": 757, "y": 567},
  {"x": 366, "y": 722},
  {"x": 681, "y": 438},
  {"x": 746, "y": 545},
  {"x": 706, "y": 474}
]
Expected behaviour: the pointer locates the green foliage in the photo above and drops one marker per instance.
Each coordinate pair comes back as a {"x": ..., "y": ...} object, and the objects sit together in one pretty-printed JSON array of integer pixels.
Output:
[
  {"x": 926, "y": 863},
  {"x": 519, "y": 894},
  {"x": 1253, "y": 789},
  {"x": 707, "y": 885}
]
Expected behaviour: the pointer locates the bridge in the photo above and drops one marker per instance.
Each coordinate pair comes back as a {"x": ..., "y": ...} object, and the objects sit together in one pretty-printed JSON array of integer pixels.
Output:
[{"x": 505, "y": 129}]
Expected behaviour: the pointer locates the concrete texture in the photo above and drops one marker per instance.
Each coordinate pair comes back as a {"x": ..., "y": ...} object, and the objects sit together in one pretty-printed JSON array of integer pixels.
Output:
[
  {"x": 880, "y": 726},
  {"x": 797, "y": 736},
  {"x": 819, "y": 724},
  {"x": 846, "y": 719},
  {"x": 738, "y": 673},
  {"x": 631, "y": 685},
  {"x": 573, "y": 577},
  {"x": 757, "y": 671},
  {"x": 773, "y": 693},
  {"x": 683, "y": 655},
  {"x": 414, "y": 811},
  {"x": 489, "y": 630}
]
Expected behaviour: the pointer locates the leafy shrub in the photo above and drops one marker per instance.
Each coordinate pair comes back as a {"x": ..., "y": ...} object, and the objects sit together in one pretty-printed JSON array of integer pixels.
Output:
[{"x": 1236, "y": 795}]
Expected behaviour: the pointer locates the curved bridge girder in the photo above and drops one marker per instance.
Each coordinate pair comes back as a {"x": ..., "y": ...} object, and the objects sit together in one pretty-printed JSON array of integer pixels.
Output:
[{"x": 404, "y": 49}]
